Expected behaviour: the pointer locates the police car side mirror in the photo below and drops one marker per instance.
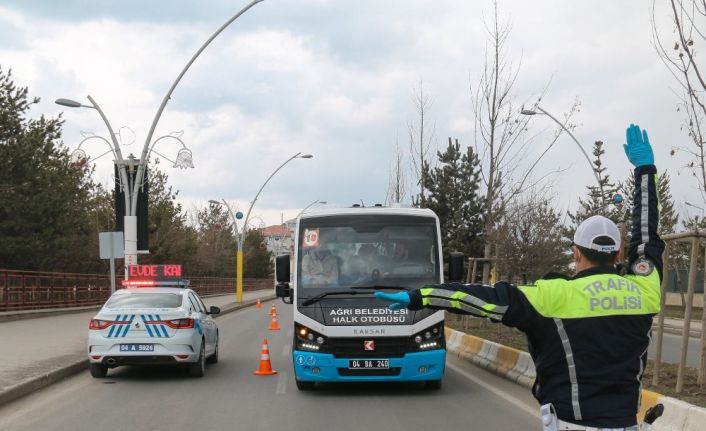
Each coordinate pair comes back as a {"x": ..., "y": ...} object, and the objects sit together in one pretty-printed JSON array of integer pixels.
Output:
[
  {"x": 456, "y": 259},
  {"x": 282, "y": 268},
  {"x": 214, "y": 310}
]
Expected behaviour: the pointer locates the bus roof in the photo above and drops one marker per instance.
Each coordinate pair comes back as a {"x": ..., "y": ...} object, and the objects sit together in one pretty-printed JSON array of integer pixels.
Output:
[{"x": 328, "y": 212}]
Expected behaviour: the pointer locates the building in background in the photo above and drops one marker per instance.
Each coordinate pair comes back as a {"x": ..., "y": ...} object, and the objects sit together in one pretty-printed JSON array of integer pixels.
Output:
[{"x": 278, "y": 239}]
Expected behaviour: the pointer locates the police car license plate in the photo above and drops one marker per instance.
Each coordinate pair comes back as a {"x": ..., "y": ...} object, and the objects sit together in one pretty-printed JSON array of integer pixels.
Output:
[
  {"x": 369, "y": 364},
  {"x": 137, "y": 347}
]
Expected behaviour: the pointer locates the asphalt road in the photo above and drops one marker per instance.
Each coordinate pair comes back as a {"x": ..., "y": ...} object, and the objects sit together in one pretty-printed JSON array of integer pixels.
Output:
[
  {"x": 231, "y": 397},
  {"x": 671, "y": 349}
]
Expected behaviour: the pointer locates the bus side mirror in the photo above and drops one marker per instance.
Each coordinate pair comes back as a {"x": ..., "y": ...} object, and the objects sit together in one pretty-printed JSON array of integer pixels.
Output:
[
  {"x": 282, "y": 289},
  {"x": 282, "y": 268},
  {"x": 456, "y": 259}
]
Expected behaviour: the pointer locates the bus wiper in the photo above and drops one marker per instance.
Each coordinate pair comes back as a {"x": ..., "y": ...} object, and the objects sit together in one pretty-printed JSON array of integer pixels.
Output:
[
  {"x": 379, "y": 287},
  {"x": 320, "y": 296}
]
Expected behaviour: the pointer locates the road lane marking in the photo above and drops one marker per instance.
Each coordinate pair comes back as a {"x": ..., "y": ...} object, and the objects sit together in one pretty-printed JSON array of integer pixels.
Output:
[
  {"x": 282, "y": 383},
  {"x": 496, "y": 391}
]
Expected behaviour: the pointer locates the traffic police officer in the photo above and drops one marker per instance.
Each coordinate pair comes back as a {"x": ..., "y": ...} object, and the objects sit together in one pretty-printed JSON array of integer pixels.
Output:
[{"x": 587, "y": 334}]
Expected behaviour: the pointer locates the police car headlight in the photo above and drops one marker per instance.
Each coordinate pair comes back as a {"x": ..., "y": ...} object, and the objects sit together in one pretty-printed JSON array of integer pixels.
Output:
[
  {"x": 320, "y": 339},
  {"x": 310, "y": 336},
  {"x": 418, "y": 339},
  {"x": 427, "y": 335}
]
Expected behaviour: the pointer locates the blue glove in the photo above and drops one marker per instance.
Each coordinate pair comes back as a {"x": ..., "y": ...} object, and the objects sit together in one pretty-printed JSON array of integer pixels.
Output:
[
  {"x": 638, "y": 147},
  {"x": 399, "y": 299}
]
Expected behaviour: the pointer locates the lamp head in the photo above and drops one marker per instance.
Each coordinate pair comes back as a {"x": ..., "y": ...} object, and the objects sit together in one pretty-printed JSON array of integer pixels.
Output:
[
  {"x": 306, "y": 156},
  {"x": 528, "y": 112},
  {"x": 68, "y": 102}
]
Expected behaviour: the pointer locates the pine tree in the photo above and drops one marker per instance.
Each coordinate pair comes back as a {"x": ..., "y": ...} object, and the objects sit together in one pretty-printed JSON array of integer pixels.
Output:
[
  {"x": 217, "y": 243},
  {"x": 46, "y": 200},
  {"x": 600, "y": 196},
  {"x": 452, "y": 192},
  {"x": 257, "y": 261}
]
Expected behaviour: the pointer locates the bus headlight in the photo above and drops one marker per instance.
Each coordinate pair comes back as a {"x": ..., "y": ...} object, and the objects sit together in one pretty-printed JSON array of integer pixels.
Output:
[
  {"x": 307, "y": 339},
  {"x": 430, "y": 338}
]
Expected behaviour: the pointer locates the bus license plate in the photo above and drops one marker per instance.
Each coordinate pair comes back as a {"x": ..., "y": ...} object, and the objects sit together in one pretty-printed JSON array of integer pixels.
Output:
[
  {"x": 137, "y": 347},
  {"x": 369, "y": 364}
]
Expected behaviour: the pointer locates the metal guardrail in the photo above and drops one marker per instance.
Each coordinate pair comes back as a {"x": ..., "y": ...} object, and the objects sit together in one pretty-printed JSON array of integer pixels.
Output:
[{"x": 32, "y": 290}]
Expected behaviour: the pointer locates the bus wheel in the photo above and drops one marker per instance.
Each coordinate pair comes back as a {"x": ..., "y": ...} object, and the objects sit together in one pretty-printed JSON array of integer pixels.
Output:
[
  {"x": 304, "y": 386},
  {"x": 433, "y": 384}
]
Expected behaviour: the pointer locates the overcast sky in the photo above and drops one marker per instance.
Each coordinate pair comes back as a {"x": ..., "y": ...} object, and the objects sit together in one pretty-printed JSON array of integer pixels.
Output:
[{"x": 335, "y": 78}]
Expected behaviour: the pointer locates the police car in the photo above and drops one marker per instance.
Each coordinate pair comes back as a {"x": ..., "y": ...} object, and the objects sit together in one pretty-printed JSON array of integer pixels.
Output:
[{"x": 148, "y": 323}]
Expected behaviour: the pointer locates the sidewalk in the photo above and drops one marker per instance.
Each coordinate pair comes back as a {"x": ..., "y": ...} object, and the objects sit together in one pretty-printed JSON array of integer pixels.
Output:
[
  {"x": 676, "y": 326},
  {"x": 40, "y": 351}
]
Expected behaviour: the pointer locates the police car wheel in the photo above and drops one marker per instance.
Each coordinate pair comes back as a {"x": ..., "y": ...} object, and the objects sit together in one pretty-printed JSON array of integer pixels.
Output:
[
  {"x": 98, "y": 370},
  {"x": 198, "y": 368},
  {"x": 213, "y": 359},
  {"x": 305, "y": 386},
  {"x": 433, "y": 384}
]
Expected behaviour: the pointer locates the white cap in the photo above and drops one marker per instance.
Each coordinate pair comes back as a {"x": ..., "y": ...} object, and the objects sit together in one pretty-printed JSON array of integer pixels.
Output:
[{"x": 594, "y": 227}]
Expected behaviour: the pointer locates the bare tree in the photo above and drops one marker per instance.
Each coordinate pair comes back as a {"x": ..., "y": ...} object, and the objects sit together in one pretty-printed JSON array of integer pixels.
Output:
[
  {"x": 421, "y": 135},
  {"x": 397, "y": 184},
  {"x": 678, "y": 51},
  {"x": 500, "y": 131}
]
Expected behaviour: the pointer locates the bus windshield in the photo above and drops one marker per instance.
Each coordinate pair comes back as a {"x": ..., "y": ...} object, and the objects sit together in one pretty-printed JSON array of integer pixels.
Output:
[{"x": 349, "y": 251}]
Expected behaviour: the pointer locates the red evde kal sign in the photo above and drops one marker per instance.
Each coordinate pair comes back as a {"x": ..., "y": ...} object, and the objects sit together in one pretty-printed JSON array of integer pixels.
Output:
[{"x": 155, "y": 272}]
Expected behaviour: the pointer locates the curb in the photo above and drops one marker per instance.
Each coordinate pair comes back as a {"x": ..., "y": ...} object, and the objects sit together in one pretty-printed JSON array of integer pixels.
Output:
[
  {"x": 517, "y": 366},
  {"x": 11, "y": 316},
  {"x": 674, "y": 330},
  {"x": 33, "y": 384}
]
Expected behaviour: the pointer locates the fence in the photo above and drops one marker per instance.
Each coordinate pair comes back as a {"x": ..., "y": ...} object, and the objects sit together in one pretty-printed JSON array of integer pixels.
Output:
[{"x": 31, "y": 290}]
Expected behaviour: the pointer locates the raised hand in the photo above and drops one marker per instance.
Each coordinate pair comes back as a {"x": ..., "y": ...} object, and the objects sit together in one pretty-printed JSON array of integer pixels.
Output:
[{"x": 638, "y": 148}]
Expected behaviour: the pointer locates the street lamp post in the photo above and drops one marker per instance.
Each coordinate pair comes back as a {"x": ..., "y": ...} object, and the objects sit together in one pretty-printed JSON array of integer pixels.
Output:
[
  {"x": 309, "y": 206},
  {"x": 129, "y": 189},
  {"x": 183, "y": 157},
  {"x": 243, "y": 229},
  {"x": 585, "y": 154}
]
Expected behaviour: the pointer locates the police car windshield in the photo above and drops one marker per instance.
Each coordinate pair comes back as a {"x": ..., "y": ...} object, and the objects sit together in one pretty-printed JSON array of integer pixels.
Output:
[{"x": 145, "y": 300}]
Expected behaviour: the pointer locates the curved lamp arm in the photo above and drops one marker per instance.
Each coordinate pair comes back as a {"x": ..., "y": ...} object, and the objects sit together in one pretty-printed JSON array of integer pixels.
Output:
[
  {"x": 252, "y": 204},
  {"x": 78, "y": 149},
  {"x": 583, "y": 151},
  {"x": 187, "y": 161},
  {"x": 145, "y": 148}
]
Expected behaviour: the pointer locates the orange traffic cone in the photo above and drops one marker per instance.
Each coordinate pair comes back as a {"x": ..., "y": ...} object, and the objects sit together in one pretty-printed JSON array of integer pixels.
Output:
[
  {"x": 273, "y": 310},
  {"x": 265, "y": 364},
  {"x": 258, "y": 304},
  {"x": 274, "y": 326}
]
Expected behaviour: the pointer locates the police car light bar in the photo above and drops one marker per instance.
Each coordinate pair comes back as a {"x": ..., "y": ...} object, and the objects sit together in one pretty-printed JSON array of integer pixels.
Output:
[{"x": 132, "y": 283}]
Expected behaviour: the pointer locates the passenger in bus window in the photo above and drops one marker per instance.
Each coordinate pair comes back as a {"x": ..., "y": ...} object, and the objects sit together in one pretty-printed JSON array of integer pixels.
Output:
[{"x": 319, "y": 266}]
